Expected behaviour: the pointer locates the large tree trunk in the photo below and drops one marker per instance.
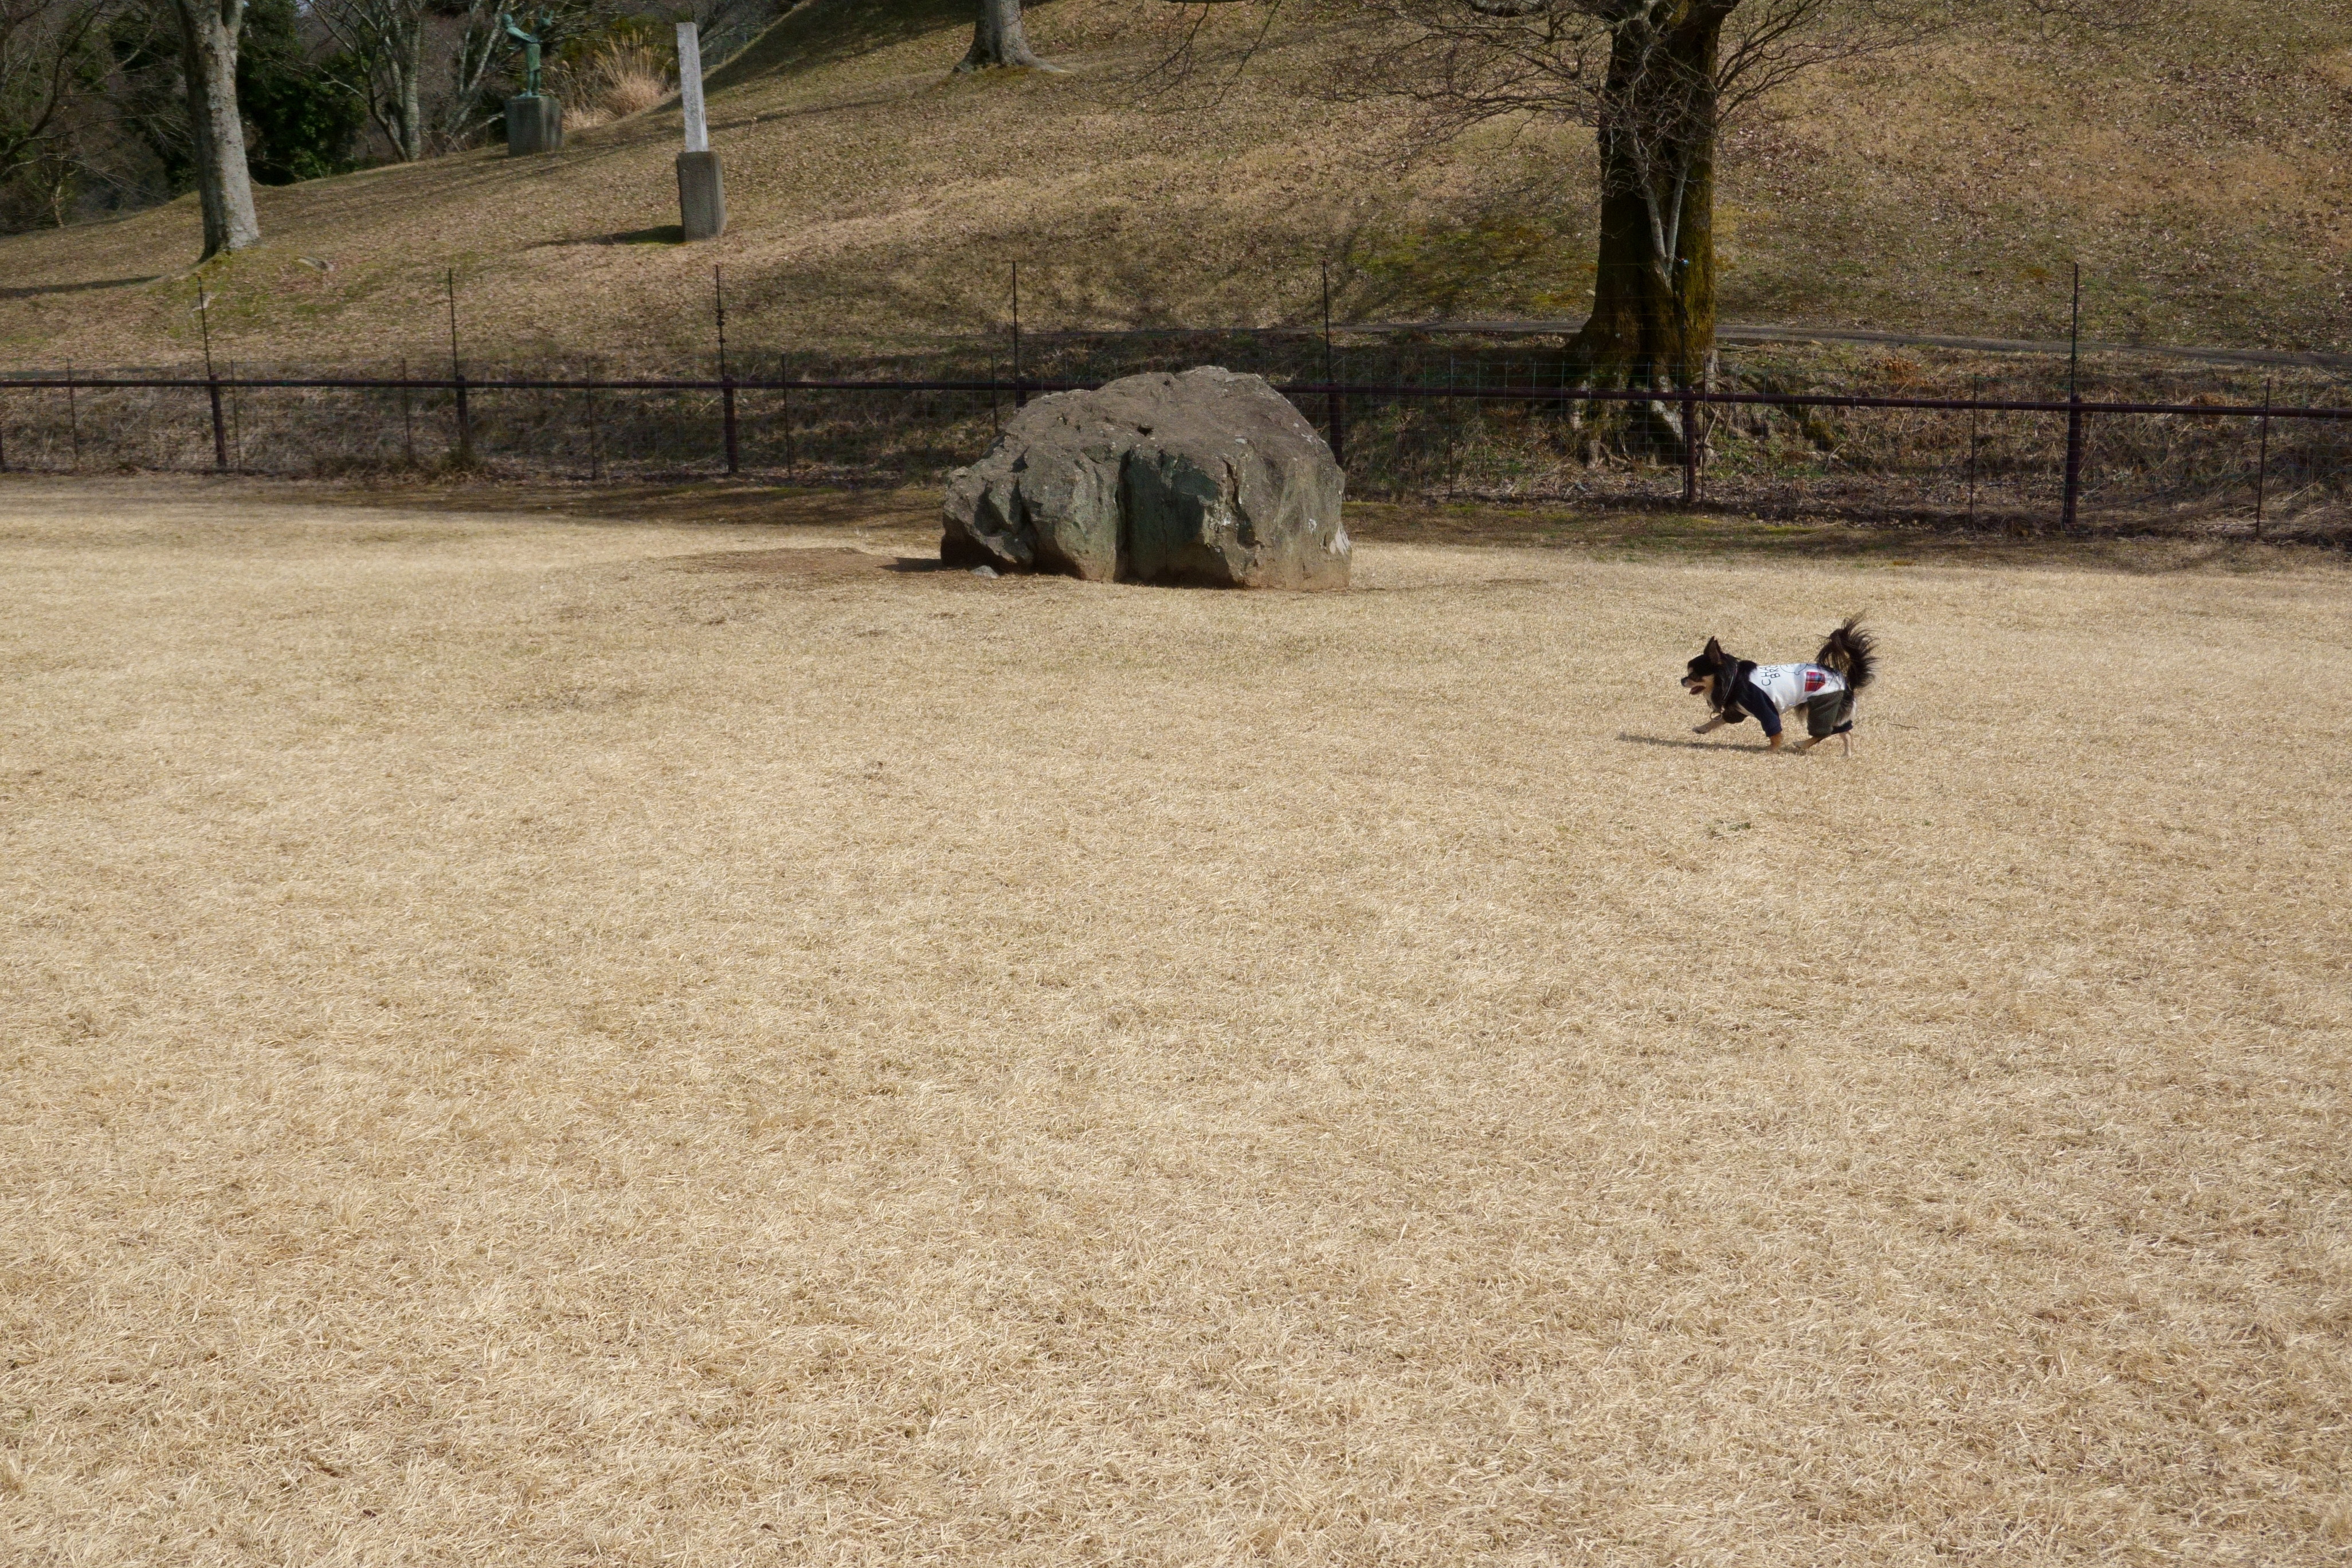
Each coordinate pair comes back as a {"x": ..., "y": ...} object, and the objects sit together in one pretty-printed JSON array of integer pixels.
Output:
[
  {"x": 997, "y": 38},
  {"x": 208, "y": 37},
  {"x": 408, "y": 72},
  {"x": 1652, "y": 322}
]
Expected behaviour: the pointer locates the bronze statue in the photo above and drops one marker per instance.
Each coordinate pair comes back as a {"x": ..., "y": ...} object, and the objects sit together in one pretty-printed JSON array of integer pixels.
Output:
[{"x": 529, "y": 43}]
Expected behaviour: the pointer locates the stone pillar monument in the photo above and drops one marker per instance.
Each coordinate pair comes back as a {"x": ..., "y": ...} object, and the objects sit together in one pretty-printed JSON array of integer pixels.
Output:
[
  {"x": 534, "y": 121},
  {"x": 534, "y": 124},
  {"x": 701, "y": 194}
]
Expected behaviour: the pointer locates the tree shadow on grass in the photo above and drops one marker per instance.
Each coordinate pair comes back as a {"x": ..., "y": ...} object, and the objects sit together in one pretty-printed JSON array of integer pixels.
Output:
[
  {"x": 829, "y": 31},
  {"x": 39, "y": 290},
  {"x": 662, "y": 233}
]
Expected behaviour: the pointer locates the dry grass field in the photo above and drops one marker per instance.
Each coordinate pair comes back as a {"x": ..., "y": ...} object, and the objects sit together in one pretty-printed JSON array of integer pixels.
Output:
[{"x": 553, "y": 1039}]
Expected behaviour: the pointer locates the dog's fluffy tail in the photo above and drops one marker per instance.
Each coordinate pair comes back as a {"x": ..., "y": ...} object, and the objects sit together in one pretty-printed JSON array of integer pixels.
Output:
[{"x": 1851, "y": 653}]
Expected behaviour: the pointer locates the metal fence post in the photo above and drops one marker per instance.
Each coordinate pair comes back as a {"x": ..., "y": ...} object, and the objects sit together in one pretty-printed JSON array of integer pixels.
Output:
[
  {"x": 1452, "y": 415},
  {"x": 1478, "y": 397},
  {"x": 2074, "y": 407},
  {"x": 457, "y": 375},
  {"x": 726, "y": 381},
  {"x": 408, "y": 422},
  {"x": 1690, "y": 447},
  {"x": 1976, "y": 418},
  {"x": 212, "y": 381},
  {"x": 596, "y": 433},
  {"x": 727, "y": 416},
  {"x": 2073, "y": 459},
  {"x": 2263, "y": 464},
  {"x": 73, "y": 417},
  {"x": 1334, "y": 411},
  {"x": 1020, "y": 399},
  {"x": 784, "y": 408}
]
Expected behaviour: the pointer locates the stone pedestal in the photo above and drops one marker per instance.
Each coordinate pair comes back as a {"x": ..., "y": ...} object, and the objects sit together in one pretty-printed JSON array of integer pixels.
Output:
[
  {"x": 534, "y": 124},
  {"x": 701, "y": 195}
]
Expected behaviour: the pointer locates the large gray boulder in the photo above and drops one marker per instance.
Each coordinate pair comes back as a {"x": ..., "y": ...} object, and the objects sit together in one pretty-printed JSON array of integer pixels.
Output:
[{"x": 1205, "y": 477}]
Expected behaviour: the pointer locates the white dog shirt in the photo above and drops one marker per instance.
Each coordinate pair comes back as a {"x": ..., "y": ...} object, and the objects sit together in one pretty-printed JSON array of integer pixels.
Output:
[{"x": 1788, "y": 686}]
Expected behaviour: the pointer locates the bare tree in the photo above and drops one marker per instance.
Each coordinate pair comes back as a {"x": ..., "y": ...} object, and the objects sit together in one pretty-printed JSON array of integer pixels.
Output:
[
  {"x": 387, "y": 40},
  {"x": 1657, "y": 81},
  {"x": 998, "y": 39},
  {"x": 43, "y": 64},
  {"x": 208, "y": 41},
  {"x": 467, "y": 108}
]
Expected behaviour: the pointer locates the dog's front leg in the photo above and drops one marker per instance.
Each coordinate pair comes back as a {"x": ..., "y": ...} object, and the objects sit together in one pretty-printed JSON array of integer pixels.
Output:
[{"x": 1711, "y": 726}]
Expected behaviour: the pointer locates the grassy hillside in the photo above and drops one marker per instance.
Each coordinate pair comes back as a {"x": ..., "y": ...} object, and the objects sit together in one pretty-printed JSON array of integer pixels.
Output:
[{"x": 2200, "y": 169}]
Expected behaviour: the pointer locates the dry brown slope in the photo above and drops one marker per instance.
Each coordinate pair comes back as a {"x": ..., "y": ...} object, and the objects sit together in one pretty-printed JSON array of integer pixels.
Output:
[{"x": 876, "y": 198}]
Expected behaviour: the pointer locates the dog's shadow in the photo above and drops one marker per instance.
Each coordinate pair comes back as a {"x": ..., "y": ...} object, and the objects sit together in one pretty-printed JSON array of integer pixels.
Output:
[{"x": 1632, "y": 740}]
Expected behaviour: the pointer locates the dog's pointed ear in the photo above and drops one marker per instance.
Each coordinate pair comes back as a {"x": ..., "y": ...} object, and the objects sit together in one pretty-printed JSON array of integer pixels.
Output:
[{"x": 1713, "y": 648}]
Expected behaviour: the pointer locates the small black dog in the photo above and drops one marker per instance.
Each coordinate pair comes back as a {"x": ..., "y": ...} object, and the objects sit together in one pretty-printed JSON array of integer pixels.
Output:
[{"x": 1739, "y": 688}]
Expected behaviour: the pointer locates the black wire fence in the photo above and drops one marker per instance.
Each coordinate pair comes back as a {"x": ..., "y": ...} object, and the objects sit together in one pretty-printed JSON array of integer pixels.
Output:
[{"x": 2023, "y": 443}]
